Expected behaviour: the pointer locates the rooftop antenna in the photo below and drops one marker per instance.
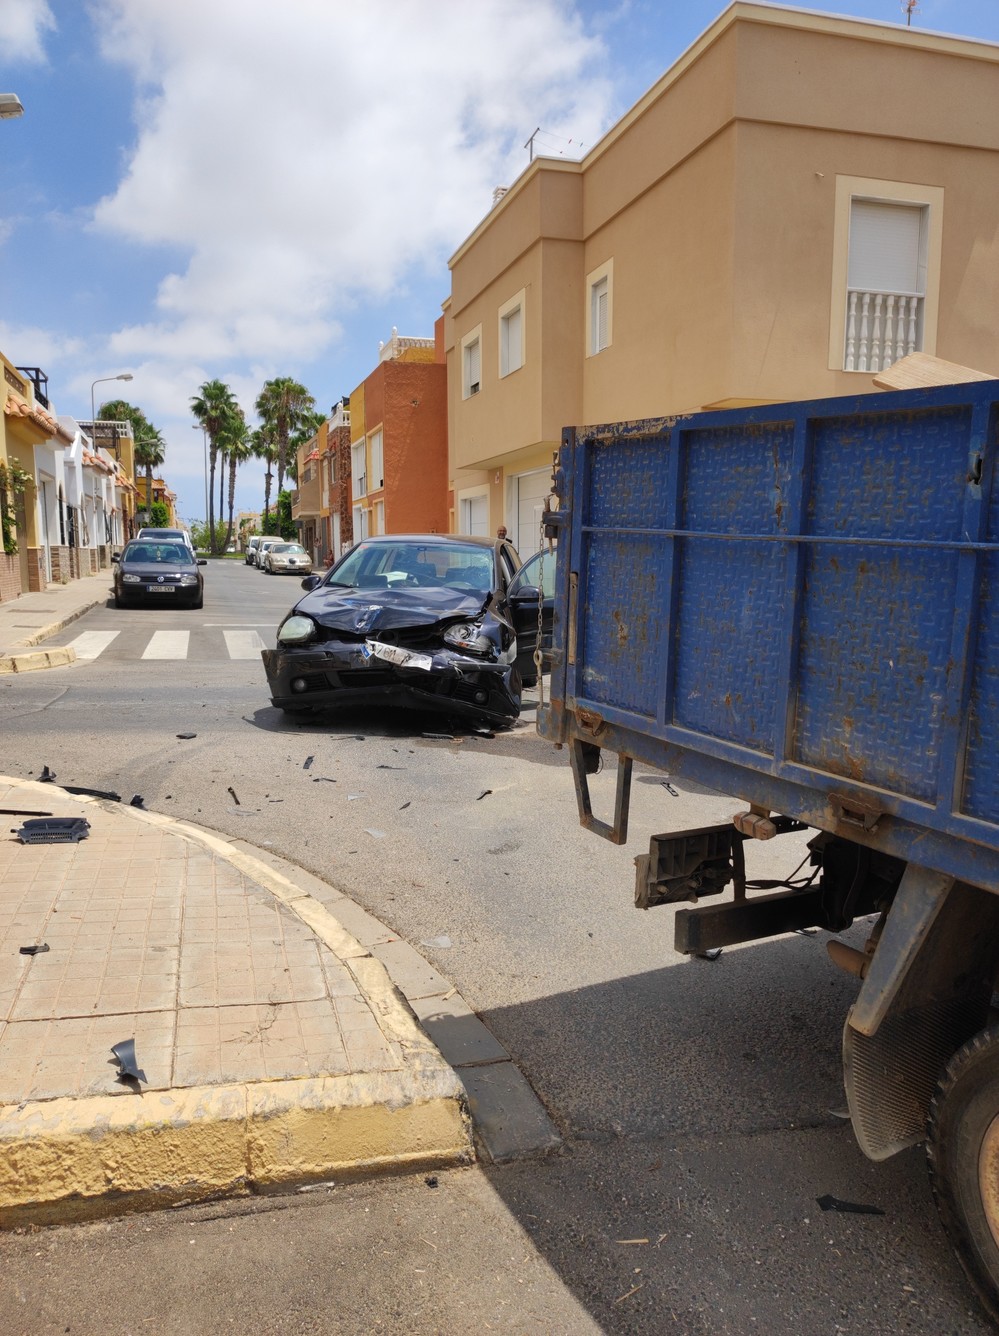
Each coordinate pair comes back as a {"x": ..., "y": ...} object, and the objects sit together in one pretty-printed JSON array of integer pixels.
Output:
[
  {"x": 529, "y": 145},
  {"x": 909, "y": 8}
]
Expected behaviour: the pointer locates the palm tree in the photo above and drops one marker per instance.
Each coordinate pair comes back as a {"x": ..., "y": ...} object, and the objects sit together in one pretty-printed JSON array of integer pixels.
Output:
[
  {"x": 284, "y": 404},
  {"x": 238, "y": 448},
  {"x": 150, "y": 452},
  {"x": 213, "y": 410},
  {"x": 265, "y": 448}
]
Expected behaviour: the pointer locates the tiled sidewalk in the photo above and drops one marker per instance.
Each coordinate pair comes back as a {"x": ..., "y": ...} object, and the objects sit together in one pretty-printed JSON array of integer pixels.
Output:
[{"x": 221, "y": 982}]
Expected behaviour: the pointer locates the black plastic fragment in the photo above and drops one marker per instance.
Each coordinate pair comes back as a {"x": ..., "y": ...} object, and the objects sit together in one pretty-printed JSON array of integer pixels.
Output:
[
  {"x": 54, "y": 830},
  {"x": 21, "y": 811},
  {"x": 484, "y": 794},
  {"x": 669, "y": 788},
  {"x": 403, "y": 807},
  {"x": 137, "y": 801},
  {"x": 47, "y": 776},
  {"x": 34, "y": 950},
  {"x": 830, "y": 1203},
  {"x": 232, "y": 795},
  {"x": 322, "y": 779},
  {"x": 712, "y": 953},
  {"x": 185, "y": 737},
  {"x": 431, "y": 1182},
  {"x": 124, "y": 1054},
  {"x": 307, "y": 763}
]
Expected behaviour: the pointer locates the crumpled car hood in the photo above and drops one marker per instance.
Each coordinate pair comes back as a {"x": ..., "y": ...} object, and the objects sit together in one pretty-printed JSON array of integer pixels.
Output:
[{"x": 366, "y": 611}]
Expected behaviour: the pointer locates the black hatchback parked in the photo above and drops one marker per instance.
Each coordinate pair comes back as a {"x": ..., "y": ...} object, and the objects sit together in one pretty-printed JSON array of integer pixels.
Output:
[{"x": 158, "y": 573}]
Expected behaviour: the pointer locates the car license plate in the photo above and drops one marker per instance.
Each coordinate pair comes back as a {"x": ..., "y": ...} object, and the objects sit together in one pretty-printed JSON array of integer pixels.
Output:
[
  {"x": 162, "y": 589},
  {"x": 402, "y": 658}
]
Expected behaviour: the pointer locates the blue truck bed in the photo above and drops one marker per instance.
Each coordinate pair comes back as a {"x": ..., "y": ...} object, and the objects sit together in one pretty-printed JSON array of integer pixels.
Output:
[{"x": 797, "y": 605}]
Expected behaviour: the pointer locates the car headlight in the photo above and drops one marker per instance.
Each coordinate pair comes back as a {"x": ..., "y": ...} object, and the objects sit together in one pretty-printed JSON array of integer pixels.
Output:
[
  {"x": 189, "y": 579},
  {"x": 296, "y": 630},
  {"x": 132, "y": 579},
  {"x": 470, "y": 638}
]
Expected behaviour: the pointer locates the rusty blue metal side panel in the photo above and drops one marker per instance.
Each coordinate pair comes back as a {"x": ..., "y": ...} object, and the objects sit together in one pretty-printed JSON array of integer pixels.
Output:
[{"x": 804, "y": 592}]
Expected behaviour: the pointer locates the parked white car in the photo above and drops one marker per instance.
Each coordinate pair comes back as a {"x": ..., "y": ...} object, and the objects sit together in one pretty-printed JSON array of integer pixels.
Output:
[
  {"x": 263, "y": 547},
  {"x": 165, "y": 536}
]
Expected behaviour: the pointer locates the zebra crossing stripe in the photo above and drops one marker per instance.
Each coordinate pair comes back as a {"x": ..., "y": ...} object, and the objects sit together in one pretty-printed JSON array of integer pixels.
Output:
[
  {"x": 243, "y": 644},
  {"x": 92, "y": 643},
  {"x": 167, "y": 645}
]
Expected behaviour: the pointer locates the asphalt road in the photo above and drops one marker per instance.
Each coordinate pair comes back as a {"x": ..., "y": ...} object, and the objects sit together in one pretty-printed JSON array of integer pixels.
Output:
[{"x": 698, "y": 1100}]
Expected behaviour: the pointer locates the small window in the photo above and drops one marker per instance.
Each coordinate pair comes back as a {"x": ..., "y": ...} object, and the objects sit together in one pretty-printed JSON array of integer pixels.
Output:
[
  {"x": 599, "y": 312},
  {"x": 375, "y": 454},
  {"x": 511, "y": 335},
  {"x": 473, "y": 367},
  {"x": 471, "y": 363},
  {"x": 599, "y": 298},
  {"x": 357, "y": 467}
]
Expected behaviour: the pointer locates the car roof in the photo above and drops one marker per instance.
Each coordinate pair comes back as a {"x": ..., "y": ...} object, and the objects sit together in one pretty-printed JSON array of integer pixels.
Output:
[{"x": 429, "y": 538}]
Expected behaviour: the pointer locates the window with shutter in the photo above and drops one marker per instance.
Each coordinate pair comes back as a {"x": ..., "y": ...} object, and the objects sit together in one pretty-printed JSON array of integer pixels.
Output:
[
  {"x": 600, "y": 309},
  {"x": 471, "y": 363},
  {"x": 599, "y": 319},
  {"x": 511, "y": 335},
  {"x": 886, "y": 272}
]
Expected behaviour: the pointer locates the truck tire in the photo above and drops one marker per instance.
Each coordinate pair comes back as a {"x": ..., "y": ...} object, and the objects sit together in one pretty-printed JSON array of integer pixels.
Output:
[{"x": 963, "y": 1155}]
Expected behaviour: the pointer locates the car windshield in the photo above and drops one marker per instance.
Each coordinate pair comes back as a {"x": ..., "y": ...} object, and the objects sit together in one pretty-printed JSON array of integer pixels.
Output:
[
  {"x": 294, "y": 548},
  {"x": 422, "y": 564},
  {"x": 172, "y": 554}
]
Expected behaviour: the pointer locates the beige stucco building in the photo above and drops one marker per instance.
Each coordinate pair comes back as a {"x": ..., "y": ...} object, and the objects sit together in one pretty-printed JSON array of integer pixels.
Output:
[{"x": 799, "y": 201}]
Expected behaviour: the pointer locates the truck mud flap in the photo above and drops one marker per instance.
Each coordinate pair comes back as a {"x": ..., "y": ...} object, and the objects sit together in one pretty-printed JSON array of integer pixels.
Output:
[{"x": 927, "y": 992}]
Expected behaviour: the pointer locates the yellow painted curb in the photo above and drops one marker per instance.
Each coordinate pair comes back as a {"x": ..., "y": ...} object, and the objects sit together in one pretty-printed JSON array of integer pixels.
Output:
[
  {"x": 79, "y": 1158},
  {"x": 36, "y": 659},
  {"x": 69, "y": 1158}
]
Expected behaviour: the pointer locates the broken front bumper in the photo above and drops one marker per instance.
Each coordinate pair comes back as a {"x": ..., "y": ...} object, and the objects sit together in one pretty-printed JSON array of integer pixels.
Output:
[{"x": 315, "y": 677}]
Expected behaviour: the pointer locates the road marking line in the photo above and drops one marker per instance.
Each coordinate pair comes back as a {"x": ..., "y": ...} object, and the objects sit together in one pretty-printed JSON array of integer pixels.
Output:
[
  {"x": 167, "y": 645},
  {"x": 243, "y": 644},
  {"x": 92, "y": 643}
]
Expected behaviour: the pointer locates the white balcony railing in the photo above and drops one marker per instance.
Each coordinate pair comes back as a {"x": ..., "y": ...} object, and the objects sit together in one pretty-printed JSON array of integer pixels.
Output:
[{"x": 881, "y": 327}]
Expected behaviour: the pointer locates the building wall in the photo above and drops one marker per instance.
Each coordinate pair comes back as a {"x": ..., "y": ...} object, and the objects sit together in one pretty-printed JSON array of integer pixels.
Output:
[
  {"x": 407, "y": 398},
  {"x": 716, "y": 203}
]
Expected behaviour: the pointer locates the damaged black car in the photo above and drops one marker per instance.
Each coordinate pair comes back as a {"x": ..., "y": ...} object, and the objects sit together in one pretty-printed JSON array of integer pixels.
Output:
[{"x": 423, "y": 621}]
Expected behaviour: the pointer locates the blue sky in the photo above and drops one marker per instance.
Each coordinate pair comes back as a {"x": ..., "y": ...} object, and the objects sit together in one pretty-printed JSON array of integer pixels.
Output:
[{"x": 229, "y": 188}]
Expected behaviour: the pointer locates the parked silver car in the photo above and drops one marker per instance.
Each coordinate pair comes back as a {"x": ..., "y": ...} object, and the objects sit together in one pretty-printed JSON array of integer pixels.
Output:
[
  {"x": 250, "y": 552},
  {"x": 287, "y": 558}
]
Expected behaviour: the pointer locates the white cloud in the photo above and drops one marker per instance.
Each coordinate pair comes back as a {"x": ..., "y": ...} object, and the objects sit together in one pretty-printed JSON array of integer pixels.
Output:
[
  {"x": 24, "y": 24},
  {"x": 314, "y": 156},
  {"x": 47, "y": 347}
]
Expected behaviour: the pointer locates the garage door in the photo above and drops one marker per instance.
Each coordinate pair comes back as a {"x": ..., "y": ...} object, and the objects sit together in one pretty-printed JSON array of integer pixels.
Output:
[{"x": 530, "y": 491}]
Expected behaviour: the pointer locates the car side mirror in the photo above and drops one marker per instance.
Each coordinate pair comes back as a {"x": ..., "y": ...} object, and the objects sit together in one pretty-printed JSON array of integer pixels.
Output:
[
  {"x": 311, "y": 581},
  {"x": 115, "y": 556},
  {"x": 526, "y": 594},
  {"x": 202, "y": 561}
]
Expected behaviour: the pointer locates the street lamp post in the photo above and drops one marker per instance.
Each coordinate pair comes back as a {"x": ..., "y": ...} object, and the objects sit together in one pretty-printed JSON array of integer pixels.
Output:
[
  {"x": 10, "y": 106},
  {"x": 204, "y": 439},
  {"x": 125, "y": 375}
]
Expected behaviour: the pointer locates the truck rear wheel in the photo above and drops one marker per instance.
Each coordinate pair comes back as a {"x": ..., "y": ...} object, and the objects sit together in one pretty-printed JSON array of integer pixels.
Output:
[{"x": 963, "y": 1156}]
